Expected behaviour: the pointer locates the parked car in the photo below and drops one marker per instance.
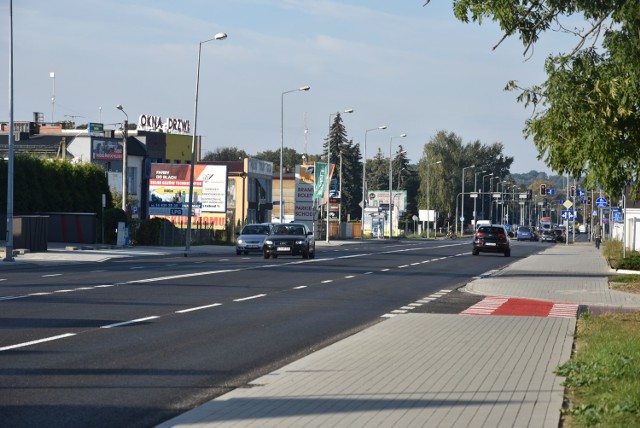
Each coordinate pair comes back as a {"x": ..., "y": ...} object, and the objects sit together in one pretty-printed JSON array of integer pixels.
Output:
[
  {"x": 548, "y": 236},
  {"x": 560, "y": 235},
  {"x": 492, "y": 239},
  {"x": 251, "y": 238},
  {"x": 526, "y": 233},
  {"x": 292, "y": 239}
]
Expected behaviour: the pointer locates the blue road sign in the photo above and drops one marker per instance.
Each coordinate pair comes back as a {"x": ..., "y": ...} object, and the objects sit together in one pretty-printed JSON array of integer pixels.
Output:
[
  {"x": 617, "y": 217},
  {"x": 551, "y": 192},
  {"x": 601, "y": 202},
  {"x": 580, "y": 192},
  {"x": 568, "y": 214}
]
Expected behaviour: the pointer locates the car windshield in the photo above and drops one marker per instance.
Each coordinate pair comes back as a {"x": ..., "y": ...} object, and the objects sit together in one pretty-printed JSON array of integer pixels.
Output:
[
  {"x": 491, "y": 230},
  {"x": 255, "y": 229},
  {"x": 294, "y": 229}
]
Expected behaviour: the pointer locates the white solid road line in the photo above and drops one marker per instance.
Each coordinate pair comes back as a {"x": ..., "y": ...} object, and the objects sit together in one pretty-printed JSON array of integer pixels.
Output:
[{"x": 34, "y": 342}]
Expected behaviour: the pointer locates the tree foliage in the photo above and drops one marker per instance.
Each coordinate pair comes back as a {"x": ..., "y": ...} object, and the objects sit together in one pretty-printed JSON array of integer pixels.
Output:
[
  {"x": 440, "y": 171},
  {"x": 225, "y": 154},
  {"x": 54, "y": 186},
  {"x": 345, "y": 153},
  {"x": 586, "y": 119},
  {"x": 290, "y": 158}
]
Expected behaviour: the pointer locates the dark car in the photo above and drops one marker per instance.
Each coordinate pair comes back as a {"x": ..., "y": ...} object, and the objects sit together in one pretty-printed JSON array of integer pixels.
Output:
[
  {"x": 560, "y": 235},
  {"x": 290, "y": 239},
  {"x": 548, "y": 236},
  {"x": 491, "y": 239}
]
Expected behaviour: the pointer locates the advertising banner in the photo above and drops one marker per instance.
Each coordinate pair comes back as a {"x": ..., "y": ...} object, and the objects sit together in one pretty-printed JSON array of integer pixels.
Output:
[
  {"x": 320, "y": 173},
  {"x": 106, "y": 149},
  {"x": 169, "y": 190},
  {"x": 304, "y": 193}
]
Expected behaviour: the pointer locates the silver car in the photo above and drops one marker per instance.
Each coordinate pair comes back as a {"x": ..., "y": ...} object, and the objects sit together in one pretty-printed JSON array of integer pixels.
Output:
[{"x": 251, "y": 238}]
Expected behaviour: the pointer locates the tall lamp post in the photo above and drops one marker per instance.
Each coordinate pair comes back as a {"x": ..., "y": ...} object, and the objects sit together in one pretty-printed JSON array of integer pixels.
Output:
[
  {"x": 391, "y": 184},
  {"x": 428, "y": 195},
  {"x": 124, "y": 157},
  {"x": 302, "y": 88},
  {"x": 364, "y": 172},
  {"x": 187, "y": 245},
  {"x": 462, "y": 210},
  {"x": 475, "y": 200},
  {"x": 483, "y": 196},
  {"x": 52, "y": 75},
  {"x": 10, "y": 143},
  {"x": 349, "y": 110}
]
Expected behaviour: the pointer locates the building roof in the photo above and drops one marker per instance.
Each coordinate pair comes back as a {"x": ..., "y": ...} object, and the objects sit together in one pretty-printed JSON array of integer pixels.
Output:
[{"x": 49, "y": 145}]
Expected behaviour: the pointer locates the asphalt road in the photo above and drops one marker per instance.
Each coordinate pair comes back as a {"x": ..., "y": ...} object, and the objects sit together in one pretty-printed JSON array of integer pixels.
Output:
[{"x": 136, "y": 342}]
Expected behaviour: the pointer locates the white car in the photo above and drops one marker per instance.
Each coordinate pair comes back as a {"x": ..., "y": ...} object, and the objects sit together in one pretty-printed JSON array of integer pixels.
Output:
[{"x": 251, "y": 238}]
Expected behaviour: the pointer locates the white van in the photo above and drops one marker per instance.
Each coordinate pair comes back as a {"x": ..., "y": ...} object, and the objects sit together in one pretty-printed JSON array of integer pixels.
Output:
[{"x": 482, "y": 223}]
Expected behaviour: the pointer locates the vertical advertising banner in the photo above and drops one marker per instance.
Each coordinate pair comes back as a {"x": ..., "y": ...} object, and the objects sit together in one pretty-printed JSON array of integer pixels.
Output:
[
  {"x": 304, "y": 193},
  {"x": 320, "y": 175}
]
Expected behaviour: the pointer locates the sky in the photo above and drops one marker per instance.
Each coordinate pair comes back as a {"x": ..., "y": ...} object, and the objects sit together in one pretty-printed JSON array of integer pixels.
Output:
[{"x": 415, "y": 69}]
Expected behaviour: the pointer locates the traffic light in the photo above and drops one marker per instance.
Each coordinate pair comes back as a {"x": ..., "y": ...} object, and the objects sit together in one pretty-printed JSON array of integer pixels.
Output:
[
  {"x": 589, "y": 200},
  {"x": 573, "y": 191},
  {"x": 529, "y": 194},
  {"x": 543, "y": 189}
]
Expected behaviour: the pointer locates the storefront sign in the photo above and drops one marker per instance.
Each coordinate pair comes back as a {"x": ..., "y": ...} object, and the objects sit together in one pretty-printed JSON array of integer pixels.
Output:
[{"x": 170, "y": 126}]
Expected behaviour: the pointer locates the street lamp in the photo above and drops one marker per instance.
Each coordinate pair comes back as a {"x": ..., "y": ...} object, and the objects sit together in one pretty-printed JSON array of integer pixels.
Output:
[
  {"x": 475, "y": 189},
  {"x": 302, "y": 88},
  {"x": 52, "y": 75},
  {"x": 462, "y": 210},
  {"x": 483, "y": 196},
  {"x": 10, "y": 147},
  {"x": 187, "y": 246},
  {"x": 491, "y": 196},
  {"x": 428, "y": 195},
  {"x": 349, "y": 110},
  {"x": 364, "y": 172},
  {"x": 391, "y": 184},
  {"x": 124, "y": 158}
]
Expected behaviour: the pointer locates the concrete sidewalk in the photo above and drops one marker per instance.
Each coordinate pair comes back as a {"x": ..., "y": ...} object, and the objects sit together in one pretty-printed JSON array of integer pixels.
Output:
[{"x": 435, "y": 370}]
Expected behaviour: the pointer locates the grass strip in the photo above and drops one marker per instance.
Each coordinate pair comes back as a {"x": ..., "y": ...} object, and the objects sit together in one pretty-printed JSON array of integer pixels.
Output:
[{"x": 603, "y": 376}]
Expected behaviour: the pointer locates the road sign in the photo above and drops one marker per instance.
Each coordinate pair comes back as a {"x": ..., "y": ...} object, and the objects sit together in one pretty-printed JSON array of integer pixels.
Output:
[
  {"x": 567, "y": 204},
  {"x": 568, "y": 214},
  {"x": 551, "y": 192},
  {"x": 601, "y": 202},
  {"x": 617, "y": 217},
  {"x": 580, "y": 193}
]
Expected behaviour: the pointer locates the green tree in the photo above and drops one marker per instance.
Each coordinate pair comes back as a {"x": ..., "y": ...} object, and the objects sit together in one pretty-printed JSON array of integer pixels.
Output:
[
  {"x": 290, "y": 158},
  {"x": 378, "y": 172},
  {"x": 444, "y": 157},
  {"x": 351, "y": 181},
  {"x": 225, "y": 154},
  {"x": 586, "y": 119}
]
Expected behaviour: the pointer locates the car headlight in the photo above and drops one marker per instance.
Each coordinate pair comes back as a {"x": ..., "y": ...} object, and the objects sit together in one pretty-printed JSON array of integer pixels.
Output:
[
  {"x": 240, "y": 241},
  {"x": 268, "y": 242},
  {"x": 300, "y": 242}
]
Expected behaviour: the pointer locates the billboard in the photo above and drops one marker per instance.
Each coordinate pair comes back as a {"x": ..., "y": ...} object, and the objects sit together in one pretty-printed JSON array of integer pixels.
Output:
[
  {"x": 377, "y": 198},
  {"x": 169, "y": 191}
]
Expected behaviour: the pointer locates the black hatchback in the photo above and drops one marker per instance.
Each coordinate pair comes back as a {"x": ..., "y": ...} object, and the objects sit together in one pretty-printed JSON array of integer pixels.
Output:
[{"x": 491, "y": 239}]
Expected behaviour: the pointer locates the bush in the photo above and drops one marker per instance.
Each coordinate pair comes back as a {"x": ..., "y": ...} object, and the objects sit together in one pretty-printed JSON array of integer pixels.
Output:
[
  {"x": 112, "y": 217},
  {"x": 612, "y": 252},
  {"x": 631, "y": 262},
  {"x": 150, "y": 231}
]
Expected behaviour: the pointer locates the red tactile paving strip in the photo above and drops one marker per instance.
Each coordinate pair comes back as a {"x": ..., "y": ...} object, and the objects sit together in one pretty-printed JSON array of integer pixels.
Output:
[{"x": 502, "y": 306}]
